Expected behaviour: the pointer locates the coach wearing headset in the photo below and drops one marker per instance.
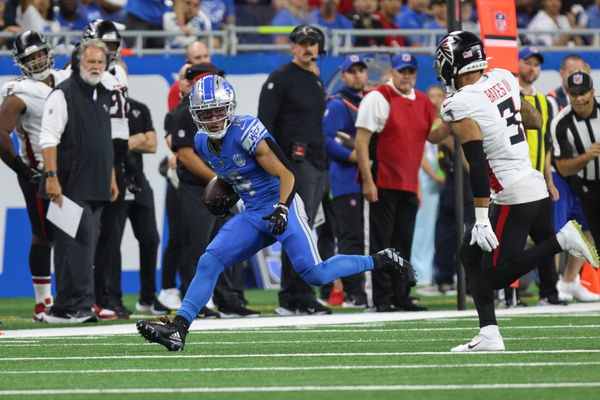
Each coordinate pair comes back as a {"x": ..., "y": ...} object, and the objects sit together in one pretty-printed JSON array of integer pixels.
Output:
[{"x": 291, "y": 106}]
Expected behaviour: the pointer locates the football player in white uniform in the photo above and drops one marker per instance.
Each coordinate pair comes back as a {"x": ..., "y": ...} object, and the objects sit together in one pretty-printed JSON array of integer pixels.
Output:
[
  {"x": 22, "y": 103},
  {"x": 486, "y": 113}
]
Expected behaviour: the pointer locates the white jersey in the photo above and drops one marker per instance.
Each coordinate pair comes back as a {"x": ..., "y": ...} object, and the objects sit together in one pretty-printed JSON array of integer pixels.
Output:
[
  {"x": 33, "y": 93},
  {"x": 494, "y": 103},
  {"x": 116, "y": 82}
]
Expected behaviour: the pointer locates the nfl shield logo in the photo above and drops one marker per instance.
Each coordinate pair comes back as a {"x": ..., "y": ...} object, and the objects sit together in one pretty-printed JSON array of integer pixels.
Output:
[
  {"x": 406, "y": 57},
  {"x": 577, "y": 79},
  {"x": 239, "y": 160},
  {"x": 500, "y": 18}
]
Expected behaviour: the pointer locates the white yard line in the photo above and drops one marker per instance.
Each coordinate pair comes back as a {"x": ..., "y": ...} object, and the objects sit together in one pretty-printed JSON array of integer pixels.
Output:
[
  {"x": 16, "y": 343},
  {"x": 309, "y": 320},
  {"x": 364, "y": 388},
  {"x": 296, "y": 368},
  {"x": 292, "y": 355}
]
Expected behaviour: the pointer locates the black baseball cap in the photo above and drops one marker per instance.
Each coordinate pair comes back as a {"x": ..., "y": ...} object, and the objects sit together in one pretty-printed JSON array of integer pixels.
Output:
[
  {"x": 196, "y": 70},
  {"x": 579, "y": 81}
]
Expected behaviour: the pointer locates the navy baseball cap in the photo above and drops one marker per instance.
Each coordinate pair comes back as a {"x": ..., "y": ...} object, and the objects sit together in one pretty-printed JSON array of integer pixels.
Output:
[
  {"x": 351, "y": 60},
  {"x": 527, "y": 52},
  {"x": 579, "y": 81},
  {"x": 404, "y": 60}
]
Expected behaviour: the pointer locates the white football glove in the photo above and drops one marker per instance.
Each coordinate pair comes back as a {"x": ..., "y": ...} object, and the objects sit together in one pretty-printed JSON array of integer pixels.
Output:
[{"x": 482, "y": 232}]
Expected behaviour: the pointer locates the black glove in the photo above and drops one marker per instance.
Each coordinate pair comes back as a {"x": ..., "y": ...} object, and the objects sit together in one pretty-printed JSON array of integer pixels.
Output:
[
  {"x": 25, "y": 172},
  {"x": 221, "y": 205},
  {"x": 278, "y": 219}
]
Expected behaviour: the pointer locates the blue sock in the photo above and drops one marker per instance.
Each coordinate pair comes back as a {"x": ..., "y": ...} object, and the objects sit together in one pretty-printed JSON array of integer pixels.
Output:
[
  {"x": 202, "y": 286},
  {"x": 337, "y": 267}
]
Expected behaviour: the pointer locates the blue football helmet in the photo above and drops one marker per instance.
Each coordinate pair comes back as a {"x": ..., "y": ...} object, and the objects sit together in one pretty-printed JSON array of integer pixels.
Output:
[{"x": 212, "y": 105}]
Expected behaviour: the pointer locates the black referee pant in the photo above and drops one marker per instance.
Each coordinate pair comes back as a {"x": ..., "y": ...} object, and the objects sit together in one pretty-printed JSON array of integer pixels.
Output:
[
  {"x": 392, "y": 223},
  {"x": 512, "y": 224},
  {"x": 590, "y": 204},
  {"x": 172, "y": 255},
  {"x": 310, "y": 182},
  {"x": 348, "y": 210}
]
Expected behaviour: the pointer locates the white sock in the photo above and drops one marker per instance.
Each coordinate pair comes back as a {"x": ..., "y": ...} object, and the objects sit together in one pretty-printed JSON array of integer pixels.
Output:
[
  {"x": 490, "y": 331},
  {"x": 43, "y": 289}
]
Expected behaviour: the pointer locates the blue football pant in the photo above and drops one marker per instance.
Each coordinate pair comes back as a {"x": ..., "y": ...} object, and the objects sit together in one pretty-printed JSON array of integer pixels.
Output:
[{"x": 246, "y": 234}]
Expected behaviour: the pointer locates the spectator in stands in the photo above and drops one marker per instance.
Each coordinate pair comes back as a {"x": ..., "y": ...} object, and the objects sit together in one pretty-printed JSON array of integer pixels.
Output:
[
  {"x": 220, "y": 12},
  {"x": 69, "y": 17},
  {"x": 328, "y": 17},
  {"x": 469, "y": 16},
  {"x": 255, "y": 13},
  {"x": 412, "y": 16},
  {"x": 196, "y": 53},
  {"x": 115, "y": 9},
  {"x": 186, "y": 19},
  {"x": 145, "y": 15},
  {"x": 526, "y": 9},
  {"x": 37, "y": 16},
  {"x": 550, "y": 19},
  {"x": 593, "y": 15},
  {"x": 363, "y": 17},
  {"x": 91, "y": 10},
  {"x": 294, "y": 13},
  {"x": 388, "y": 10},
  {"x": 6, "y": 26},
  {"x": 438, "y": 20}
]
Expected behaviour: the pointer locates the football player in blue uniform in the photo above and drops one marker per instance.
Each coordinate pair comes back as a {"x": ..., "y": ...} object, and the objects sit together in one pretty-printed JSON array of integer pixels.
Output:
[{"x": 241, "y": 151}]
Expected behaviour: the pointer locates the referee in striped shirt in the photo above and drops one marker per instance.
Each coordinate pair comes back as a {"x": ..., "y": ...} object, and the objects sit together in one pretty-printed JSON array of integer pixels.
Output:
[{"x": 576, "y": 142}]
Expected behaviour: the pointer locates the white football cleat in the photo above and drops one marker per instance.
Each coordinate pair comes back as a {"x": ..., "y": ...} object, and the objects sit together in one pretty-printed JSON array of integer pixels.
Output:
[
  {"x": 571, "y": 239},
  {"x": 170, "y": 298},
  {"x": 577, "y": 290},
  {"x": 481, "y": 343}
]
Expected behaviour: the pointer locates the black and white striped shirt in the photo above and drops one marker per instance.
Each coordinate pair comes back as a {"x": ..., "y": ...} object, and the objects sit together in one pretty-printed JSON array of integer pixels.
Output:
[{"x": 572, "y": 136}]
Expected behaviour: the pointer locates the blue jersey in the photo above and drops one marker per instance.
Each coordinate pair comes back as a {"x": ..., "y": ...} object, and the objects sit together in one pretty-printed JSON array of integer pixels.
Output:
[{"x": 237, "y": 163}]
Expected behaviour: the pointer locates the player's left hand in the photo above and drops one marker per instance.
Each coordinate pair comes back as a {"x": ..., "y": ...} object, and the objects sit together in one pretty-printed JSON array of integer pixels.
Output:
[
  {"x": 277, "y": 219},
  {"x": 483, "y": 234}
]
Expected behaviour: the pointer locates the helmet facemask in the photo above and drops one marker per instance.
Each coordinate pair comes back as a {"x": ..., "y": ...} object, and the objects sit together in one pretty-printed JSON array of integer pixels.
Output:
[
  {"x": 37, "y": 63},
  {"x": 212, "y": 105},
  {"x": 114, "y": 50}
]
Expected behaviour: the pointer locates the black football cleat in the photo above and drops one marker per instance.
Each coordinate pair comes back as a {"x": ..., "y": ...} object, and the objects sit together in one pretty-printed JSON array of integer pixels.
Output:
[
  {"x": 169, "y": 334},
  {"x": 390, "y": 259}
]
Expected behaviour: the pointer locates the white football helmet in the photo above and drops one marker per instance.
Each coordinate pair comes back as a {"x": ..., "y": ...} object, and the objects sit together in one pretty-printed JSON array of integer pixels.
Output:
[{"x": 212, "y": 102}]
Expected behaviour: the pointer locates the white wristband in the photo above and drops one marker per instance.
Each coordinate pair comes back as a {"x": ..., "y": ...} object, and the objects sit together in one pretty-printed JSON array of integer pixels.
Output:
[{"x": 481, "y": 213}]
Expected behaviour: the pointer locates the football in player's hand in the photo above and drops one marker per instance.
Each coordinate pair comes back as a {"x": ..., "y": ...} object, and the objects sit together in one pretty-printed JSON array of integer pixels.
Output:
[{"x": 219, "y": 196}]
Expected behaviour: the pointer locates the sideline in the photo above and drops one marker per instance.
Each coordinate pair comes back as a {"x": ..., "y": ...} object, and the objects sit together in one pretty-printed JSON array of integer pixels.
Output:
[{"x": 305, "y": 320}]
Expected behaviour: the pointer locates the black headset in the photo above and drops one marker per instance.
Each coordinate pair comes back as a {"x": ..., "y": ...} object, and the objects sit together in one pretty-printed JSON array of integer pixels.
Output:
[{"x": 312, "y": 32}]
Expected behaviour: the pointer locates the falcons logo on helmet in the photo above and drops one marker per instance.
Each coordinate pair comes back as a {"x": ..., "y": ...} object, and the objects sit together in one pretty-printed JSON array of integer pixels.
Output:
[{"x": 445, "y": 49}]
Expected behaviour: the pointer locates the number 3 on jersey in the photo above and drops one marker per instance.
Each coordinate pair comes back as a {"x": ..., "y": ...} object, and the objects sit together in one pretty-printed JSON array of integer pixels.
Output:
[{"x": 511, "y": 119}]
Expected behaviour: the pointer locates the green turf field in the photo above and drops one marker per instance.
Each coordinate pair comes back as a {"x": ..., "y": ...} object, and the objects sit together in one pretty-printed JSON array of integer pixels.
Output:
[{"x": 550, "y": 355}]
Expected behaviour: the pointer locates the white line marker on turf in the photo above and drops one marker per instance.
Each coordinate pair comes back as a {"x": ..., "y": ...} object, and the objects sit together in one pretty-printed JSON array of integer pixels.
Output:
[
  {"x": 318, "y": 368},
  {"x": 267, "y": 342},
  {"x": 193, "y": 356},
  {"x": 307, "y": 320},
  {"x": 364, "y": 388}
]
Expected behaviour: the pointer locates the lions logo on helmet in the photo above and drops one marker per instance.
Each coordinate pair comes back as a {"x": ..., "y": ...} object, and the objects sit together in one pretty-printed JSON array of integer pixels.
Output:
[
  {"x": 458, "y": 53},
  {"x": 27, "y": 53},
  {"x": 212, "y": 105}
]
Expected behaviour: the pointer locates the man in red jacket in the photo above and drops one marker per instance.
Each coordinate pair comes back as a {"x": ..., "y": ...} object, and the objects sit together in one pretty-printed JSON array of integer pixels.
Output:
[{"x": 397, "y": 119}]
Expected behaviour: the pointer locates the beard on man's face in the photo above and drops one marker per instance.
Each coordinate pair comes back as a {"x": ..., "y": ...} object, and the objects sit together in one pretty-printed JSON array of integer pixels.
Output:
[{"x": 92, "y": 77}]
